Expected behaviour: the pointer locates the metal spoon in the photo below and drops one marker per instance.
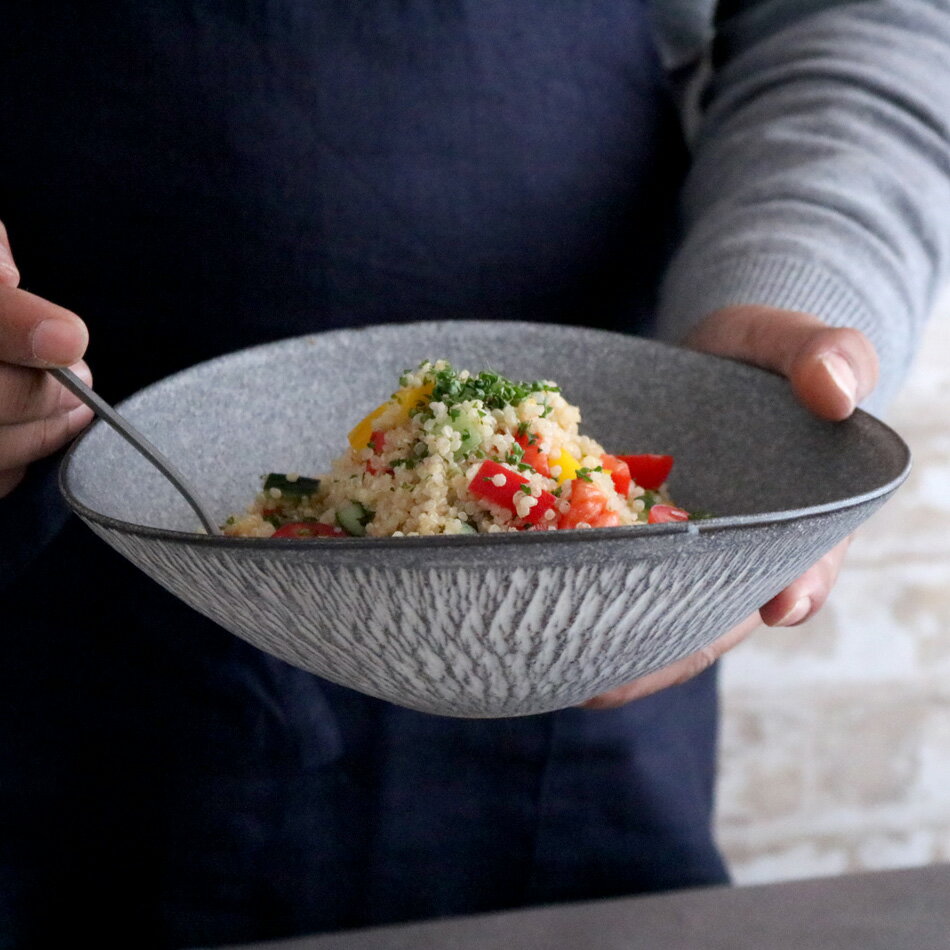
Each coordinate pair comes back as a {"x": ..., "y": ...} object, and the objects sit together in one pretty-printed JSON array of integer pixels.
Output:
[{"x": 138, "y": 441}]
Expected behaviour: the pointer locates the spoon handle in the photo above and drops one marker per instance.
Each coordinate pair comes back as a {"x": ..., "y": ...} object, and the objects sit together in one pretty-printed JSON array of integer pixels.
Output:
[{"x": 138, "y": 441}]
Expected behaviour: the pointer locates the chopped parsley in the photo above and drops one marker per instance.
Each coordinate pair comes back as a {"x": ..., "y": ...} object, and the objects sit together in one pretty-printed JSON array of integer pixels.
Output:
[
  {"x": 584, "y": 473},
  {"x": 515, "y": 455},
  {"x": 492, "y": 389}
]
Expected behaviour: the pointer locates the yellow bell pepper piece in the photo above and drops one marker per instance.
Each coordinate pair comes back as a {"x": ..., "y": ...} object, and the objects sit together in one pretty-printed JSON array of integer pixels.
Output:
[
  {"x": 410, "y": 398},
  {"x": 569, "y": 466},
  {"x": 361, "y": 433},
  {"x": 407, "y": 399}
]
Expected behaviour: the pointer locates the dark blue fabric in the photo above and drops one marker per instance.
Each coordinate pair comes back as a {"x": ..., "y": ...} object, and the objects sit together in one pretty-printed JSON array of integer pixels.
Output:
[{"x": 197, "y": 177}]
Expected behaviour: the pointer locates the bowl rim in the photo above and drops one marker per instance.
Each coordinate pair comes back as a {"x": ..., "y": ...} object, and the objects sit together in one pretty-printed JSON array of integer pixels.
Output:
[{"x": 688, "y": 529}]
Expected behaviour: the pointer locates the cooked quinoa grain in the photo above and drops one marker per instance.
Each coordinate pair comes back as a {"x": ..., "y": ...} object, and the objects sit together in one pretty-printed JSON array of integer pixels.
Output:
[{"x": 461, "y": 453}]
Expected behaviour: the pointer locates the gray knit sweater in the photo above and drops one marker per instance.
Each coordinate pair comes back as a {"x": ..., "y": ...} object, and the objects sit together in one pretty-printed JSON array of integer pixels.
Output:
[{"x": 821, "y": 175}]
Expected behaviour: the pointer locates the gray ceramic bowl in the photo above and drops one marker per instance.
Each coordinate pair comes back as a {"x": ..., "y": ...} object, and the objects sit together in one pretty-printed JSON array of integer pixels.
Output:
[{"x": 486, "y": 625}]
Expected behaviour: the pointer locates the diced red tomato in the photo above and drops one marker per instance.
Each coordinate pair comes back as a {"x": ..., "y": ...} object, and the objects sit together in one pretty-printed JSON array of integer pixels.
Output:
[
  {"x": 588, "y": 506},
  {"x": 648, "y": 471},
  {"x": 662, "y": 514},
  {"x": 506, "y": 494},
  {"x": 533, "y": 456},
  {"x": 606, "y": 519},
  {"x": 309, "y": 529},
  {"x": 619, "y": 473},
  {"x": 377, "y": 442}
]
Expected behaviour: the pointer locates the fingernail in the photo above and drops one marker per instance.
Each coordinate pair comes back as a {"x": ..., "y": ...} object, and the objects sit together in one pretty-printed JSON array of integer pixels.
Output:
[
  {"x": 797, "y": 613},
  {"x": 57, "y": 341},
  {"x": 842, "y": 375}
]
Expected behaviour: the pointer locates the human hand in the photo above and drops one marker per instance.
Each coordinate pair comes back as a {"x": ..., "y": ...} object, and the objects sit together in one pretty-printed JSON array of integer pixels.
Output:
[
  {"x": 830, "y": 370},
  {"x": 37, "y": 414}
]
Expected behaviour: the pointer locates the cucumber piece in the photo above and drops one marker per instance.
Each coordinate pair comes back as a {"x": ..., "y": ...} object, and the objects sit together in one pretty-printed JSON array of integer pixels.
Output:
[
  {"x": 301, "y": 487},
  {"x": 353, "y": 518},
  {"x": 468, "y": 429}
]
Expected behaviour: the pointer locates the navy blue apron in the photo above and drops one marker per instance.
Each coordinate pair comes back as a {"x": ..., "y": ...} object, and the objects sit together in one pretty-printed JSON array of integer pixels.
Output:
[{"x": 197, "y": 177}]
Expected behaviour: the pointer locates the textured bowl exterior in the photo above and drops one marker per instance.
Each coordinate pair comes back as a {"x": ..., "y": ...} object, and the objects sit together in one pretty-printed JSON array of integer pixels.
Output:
[{"x": 490, "y": 625}]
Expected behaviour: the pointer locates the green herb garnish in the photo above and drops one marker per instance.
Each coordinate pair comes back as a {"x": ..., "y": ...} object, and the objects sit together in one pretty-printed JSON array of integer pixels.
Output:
[
  {"x": 584, "y": 473},
  {"x": 492, "y": 389},
  {"x": 515, "y": 455}
]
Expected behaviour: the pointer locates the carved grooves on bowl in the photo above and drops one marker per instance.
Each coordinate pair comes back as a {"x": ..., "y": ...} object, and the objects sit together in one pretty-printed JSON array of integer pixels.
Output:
[{"x": 480, "y": 641}]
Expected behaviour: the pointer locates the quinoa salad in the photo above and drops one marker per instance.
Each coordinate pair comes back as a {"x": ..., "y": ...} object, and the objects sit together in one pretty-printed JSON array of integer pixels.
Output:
[{"x": 452, "y": 452}]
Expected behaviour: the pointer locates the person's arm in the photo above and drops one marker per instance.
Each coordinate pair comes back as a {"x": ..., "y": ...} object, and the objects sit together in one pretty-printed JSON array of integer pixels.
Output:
[
  {"x": 817, "y": 221},
  {"x": 821, "y": 171},
  {"x": 37, "y": 415}
]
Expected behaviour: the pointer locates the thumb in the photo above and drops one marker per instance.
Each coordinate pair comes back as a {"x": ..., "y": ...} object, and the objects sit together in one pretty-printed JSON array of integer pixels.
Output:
[
  {"x": 830, "y": 369},
  {"x": 9, "y": 275}
]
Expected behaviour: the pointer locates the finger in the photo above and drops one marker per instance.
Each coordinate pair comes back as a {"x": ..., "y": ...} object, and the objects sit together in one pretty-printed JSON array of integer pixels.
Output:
[
  {"x": 28, "y": 395},
  {"x": 675, "y": 673},
  {"x": 804, "y": 597},
  {"x": 10, "y": 479},
  {"x": 22, "y": 444},
  {"x": 9, "y": 275},
  {"x": 831, "y": 369},
  {"x": 35, "y": 332}
]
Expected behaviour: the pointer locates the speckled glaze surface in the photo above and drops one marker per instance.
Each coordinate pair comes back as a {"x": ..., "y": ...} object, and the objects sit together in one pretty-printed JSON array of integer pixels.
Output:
[{"x": 487, "y": 625}]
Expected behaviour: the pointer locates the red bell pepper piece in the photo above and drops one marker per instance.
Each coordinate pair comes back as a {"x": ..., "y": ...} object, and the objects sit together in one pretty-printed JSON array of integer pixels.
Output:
[
  {"x": 648, "y": 471},
  {"x": 546, "y": 501},
  {"x": 505, "y": 495}
]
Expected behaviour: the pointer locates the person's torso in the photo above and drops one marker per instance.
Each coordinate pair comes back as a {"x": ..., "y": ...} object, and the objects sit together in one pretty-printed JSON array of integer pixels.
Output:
[
  {"x": 218, "y": 173},
  {"x": 196, "y": 177}
]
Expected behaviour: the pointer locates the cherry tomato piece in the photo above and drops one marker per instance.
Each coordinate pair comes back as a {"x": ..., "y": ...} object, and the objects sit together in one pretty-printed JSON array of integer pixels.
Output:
[
  {"x": 648, "y": 471},
  {"x": 588, "y": 506},
  {"x": 533, "y": 456},
  {"x": 309, "y": 529},
  {"x": 619, "y": 473},
  {"x": 662, "y": 514}
]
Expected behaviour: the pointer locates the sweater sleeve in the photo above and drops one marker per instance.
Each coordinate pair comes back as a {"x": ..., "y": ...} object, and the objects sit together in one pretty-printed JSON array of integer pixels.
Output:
[{"x": 821, "y": 170}]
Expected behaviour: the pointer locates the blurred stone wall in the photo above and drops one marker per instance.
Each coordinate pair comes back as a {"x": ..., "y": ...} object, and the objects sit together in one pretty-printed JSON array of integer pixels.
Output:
[{"x": 835, "y": 751}]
